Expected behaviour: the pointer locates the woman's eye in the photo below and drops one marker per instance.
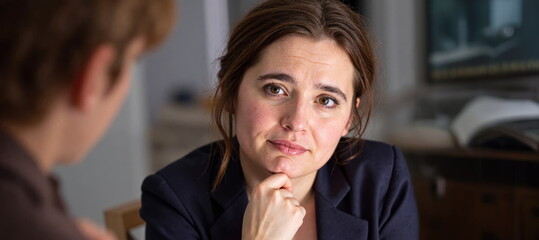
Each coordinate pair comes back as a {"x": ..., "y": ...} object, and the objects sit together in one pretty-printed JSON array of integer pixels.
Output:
[
  {"x": 274, "y": 89},
  {"x": 327, "y": 101}
]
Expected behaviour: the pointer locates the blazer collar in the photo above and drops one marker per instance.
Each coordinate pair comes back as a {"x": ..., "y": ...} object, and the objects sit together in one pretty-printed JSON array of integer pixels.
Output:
[
  {"x": 230, "y": 195},
  {"x": 331, "y": 187},
  {"x": 232, "y": 186}
]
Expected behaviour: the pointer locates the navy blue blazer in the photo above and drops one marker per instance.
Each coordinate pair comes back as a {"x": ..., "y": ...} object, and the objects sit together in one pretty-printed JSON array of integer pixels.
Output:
[{"x": 371, "y": 197}]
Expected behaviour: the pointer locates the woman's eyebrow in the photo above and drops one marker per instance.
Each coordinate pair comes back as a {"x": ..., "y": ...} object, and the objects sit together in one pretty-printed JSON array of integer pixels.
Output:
[
  {"x": 287, "y": 78},
  {"x": 277, "y": 76},
  {"x": 332, "y": 89}
]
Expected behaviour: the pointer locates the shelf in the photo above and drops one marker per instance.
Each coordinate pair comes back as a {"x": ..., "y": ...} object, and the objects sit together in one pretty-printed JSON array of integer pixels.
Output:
[{"x": 480, "y": 154}]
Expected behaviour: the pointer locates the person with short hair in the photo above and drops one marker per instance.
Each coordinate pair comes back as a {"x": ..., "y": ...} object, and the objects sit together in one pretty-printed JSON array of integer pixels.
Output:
[
  {"x": 65, "y": 69},
  {"x": 295, "y": 92}
]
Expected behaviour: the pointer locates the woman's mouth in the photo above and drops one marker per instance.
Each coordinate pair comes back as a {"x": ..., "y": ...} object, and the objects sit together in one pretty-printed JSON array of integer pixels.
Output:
[{"x": 287, "y": 147}]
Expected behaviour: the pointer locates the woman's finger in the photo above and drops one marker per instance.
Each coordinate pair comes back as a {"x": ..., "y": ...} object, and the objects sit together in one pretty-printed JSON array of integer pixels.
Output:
[
  {"x": 277, "y": 181},
  {"x": 293, "y": 201},
  {"x": 285, "y": 193}
]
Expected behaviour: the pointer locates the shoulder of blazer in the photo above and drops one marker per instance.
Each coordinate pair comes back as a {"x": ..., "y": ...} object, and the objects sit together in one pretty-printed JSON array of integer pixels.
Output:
[
  {"x": 374, "y": 156},
  {"x": 191, "y": 173},
  {"x": 375, "y": 163}
]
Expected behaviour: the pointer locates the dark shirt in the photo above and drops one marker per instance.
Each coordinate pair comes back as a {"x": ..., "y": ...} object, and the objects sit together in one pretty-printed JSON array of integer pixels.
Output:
[
  {"x": 371, "y": 197},
  {"x": 30, "y": 206}
]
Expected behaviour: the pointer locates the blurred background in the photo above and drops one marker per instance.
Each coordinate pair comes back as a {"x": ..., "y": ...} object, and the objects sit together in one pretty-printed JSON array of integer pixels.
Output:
[{"x": 457, "y": 92}]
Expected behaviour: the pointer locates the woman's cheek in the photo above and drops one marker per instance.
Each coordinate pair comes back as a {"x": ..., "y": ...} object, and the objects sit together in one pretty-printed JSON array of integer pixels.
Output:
[
  {"x": 328, "y": 133},
  {"x": 256, "y": 118}
]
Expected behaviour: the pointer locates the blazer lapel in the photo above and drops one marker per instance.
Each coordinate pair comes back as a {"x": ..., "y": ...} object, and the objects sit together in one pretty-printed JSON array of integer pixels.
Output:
[
  {"x": 232, "y": 198},
  {"x": 331, "y": 187}
]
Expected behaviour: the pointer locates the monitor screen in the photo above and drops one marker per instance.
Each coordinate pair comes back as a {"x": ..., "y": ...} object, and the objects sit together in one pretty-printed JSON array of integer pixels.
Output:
[{"x": 482, "y": 39}]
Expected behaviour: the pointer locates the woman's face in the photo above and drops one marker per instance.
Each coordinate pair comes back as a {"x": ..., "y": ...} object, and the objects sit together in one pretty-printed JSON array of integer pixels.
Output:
[{"x": 293, "y": 106}]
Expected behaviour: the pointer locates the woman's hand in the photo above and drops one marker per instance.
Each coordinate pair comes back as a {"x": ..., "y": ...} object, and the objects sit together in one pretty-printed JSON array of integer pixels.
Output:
[{"x": 272, "y": 212}]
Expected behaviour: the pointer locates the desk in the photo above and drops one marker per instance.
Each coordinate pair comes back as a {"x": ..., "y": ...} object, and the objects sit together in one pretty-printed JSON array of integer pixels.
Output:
[{"x": 476, "y": 194}]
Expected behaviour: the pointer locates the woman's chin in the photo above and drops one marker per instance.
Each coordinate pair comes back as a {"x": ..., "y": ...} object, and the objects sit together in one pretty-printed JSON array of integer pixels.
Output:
[
  {"x": 289, "y": 173},
  {"x": 282, "y": 165}
]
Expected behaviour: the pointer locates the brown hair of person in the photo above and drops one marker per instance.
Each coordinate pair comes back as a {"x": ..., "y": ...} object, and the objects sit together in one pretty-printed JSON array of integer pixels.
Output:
[
  {"x": 274, "y": 19},
  {"x": 45, "y": 45}
]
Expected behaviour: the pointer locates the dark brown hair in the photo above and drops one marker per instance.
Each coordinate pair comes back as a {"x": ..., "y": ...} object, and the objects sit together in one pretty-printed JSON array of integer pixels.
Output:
[
  {"x": 274, "y": 19},
  {"x": 46, "y": 43}
]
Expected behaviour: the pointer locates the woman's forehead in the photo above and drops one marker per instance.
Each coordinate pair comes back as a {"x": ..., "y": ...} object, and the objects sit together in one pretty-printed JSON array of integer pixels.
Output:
[
  {"x": 303, "y": 57},
  {"x": 302, "y": 45}
]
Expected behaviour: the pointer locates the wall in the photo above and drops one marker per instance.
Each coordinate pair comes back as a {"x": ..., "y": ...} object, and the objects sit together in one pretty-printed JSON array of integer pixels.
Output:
[
  {"x": 239, "y": 8},
  {"x": 186, "y": 62},
  {"x": 181, "y": 62},
  {"x": 217, "y": 28},
  {"x": 395, "y": 27}
]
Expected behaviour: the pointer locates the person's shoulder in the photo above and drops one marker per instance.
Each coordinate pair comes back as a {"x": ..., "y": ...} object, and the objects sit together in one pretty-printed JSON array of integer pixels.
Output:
[
  {"x": 14, "y": 203},
  {"x": 369, "y": 150},
  {"x": 25, "y": 215},
  {"x": 378, "y": 151},
  {"x": 375, "y": 158}
]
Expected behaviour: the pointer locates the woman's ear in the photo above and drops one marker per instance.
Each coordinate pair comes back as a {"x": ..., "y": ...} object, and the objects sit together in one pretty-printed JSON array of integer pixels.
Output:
[
  {"x": 93, "y": 80},
  {"x": 351, "y": 119}
]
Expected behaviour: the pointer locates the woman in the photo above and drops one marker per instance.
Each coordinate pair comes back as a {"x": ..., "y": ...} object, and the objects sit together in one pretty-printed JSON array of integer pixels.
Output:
[{"x": 296, "y": 78}]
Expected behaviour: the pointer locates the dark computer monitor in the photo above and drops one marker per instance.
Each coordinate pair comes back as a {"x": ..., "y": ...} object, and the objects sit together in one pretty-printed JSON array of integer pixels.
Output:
[{"x": 481, "y": 40}]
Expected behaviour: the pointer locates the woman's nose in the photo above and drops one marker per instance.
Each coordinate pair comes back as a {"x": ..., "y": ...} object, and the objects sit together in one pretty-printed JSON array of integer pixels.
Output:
[{"x": 295, "y": 116}]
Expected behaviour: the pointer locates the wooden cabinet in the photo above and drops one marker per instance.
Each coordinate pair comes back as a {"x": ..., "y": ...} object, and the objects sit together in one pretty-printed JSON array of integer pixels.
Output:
[
  {"x": 528, "y": 213},
  {"x": 483, "y": 196}
]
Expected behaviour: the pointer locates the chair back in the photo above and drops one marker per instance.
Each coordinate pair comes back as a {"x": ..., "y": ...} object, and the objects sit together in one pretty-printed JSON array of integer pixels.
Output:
[{"x": 122, "y": 218}]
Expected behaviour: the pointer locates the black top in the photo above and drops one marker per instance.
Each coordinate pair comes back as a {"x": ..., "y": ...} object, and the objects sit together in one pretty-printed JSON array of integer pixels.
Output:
[
  {"x": 371, "y": 197},
  {"x": 30, "y": 206}
]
